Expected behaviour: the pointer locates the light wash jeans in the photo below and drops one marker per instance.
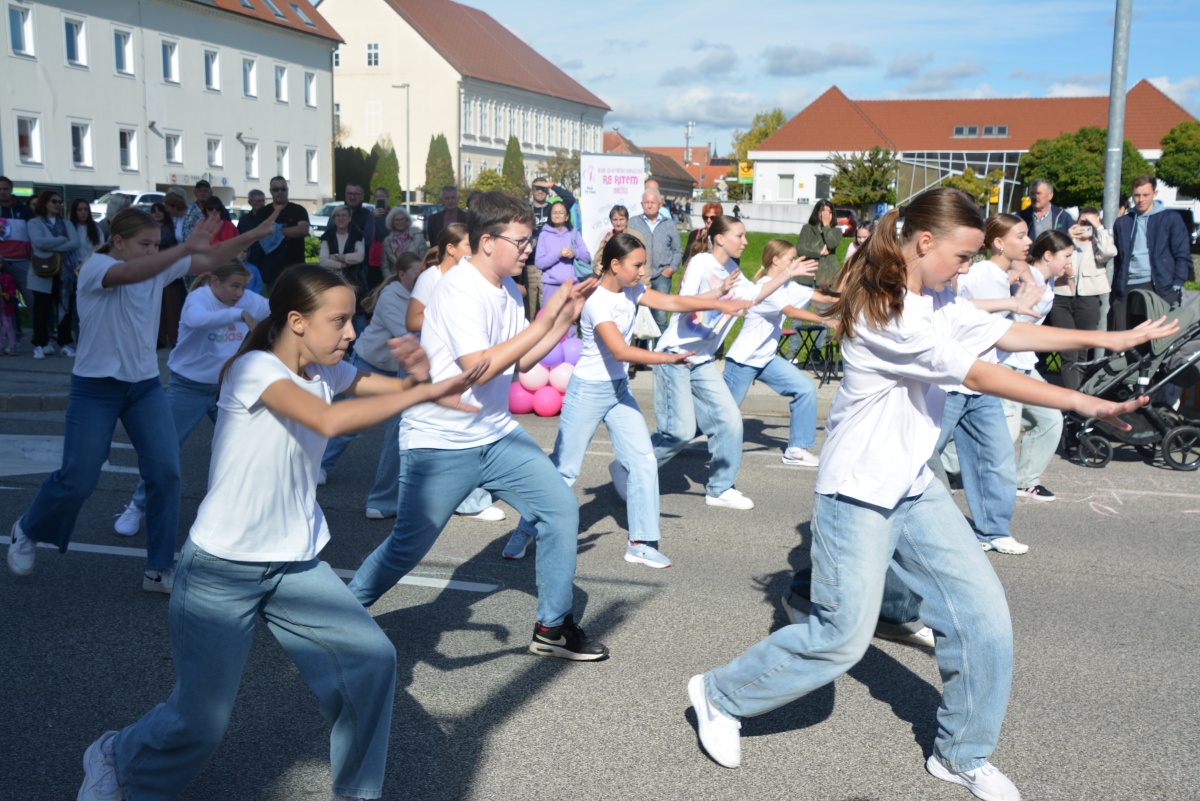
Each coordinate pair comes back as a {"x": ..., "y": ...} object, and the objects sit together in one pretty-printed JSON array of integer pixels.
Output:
[
  {"x": 987, "y": 462},
  {"x": 685, "y": 396},
  {"x": 1041, "y": 439},
  {"x": 663, "y": 285},
  {"x": 342, "y": 655},
  {"x": 433, "y": 481},
  {"x": 189, "y": 401},
  {"x": 928, "y": 544},
  {"x": 785, "y": 378},
  {"x": 587, "y": 404},
  {"x": 899, "y": 608},
  {"x": 94, "y": 406}
]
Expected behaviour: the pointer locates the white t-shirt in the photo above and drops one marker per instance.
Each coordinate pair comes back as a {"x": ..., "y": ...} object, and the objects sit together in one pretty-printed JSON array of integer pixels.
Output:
[
  {"x": 758, "y": 340},
  {"x": 703, "y": 332},
  {"x": 465, "y": 314},
  {"x": 1028, "y": 359},
  {"x": 118, "y": 325},
  {"x": 210, "y": 332},
  {"x": 984, "y": 281},
  {"x": 596, "y": 362},
  {"x": 423, "y": 289},
  {"x": 261, "y": 504},
  {"x": 886, "y": 416}
]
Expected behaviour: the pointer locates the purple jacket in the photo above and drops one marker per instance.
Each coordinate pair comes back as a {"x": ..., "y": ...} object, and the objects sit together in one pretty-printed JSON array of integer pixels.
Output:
[{"x": 555, "y": 269}]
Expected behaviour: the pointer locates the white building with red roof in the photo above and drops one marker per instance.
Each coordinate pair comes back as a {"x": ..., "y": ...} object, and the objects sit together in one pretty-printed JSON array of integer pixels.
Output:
[{"x": 468, "y": 77}]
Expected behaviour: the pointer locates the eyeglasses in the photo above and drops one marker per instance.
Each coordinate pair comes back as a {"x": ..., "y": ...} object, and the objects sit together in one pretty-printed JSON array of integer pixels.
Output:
[
  {"x": 56, "y": 200},
  {"x": 522, "y": 243},
  {"x": 708, "y": 218},
  {"x": 540, "y": 188},
  {"x": 278, "y": 188}
]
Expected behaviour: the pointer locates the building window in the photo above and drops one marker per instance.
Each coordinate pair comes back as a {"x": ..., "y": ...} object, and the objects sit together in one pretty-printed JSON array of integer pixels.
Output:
[
  {"x": 81, "y": 144},
  {"x": 466, "y": 124},
  {"x": 216, "y": 153},
  {"x": 310, "y": 165},
  {"x": 127, "y": 148},
  {"x": 251, "y": 159},
  {"x": 995, "y": 130},
  {"x": 76, "y": 41},
  {"x": 374, "y": 117},
  {"x": 247, "y": 4},
  {"x": 786, "y": 185},
  {"x": 337, "y": 57},
  {"x": 212, "y": 71},
  {"x": 170, "y": 59},
  {"x": 29, "y": 139},
  {"x": 303, "y": 17},
  {"x": 20, "y": 30},
  {"x": 249, "y": 77},
  {"x": 281, "y": 162},
  {"x": 337, "y": 117},
  {"x": 467, "y": 173},
  {"x": 274, "y": 9},
  {"x": 966, "y": 130},
  {"x": 174, "y": 147},
  {"x": 123, "y": 51},
  {"x": 372, "y": 54},
  {"x": 281, "y": 92},
  {"x": 524, "y": 125},
  {"x": 310, "y": 89},
  {"x": 497, "y": 122}
]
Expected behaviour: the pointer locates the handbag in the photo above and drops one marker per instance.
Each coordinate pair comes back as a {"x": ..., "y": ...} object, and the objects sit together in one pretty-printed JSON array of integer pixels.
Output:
[
  {"x": 583, "y": 269},
  {"x": 47, "y": 267}
]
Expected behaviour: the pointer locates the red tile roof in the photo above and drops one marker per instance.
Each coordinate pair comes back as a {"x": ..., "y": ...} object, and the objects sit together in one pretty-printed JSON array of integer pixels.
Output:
[
  {"x": 290, "y": 19},
  {"x": 662, "y": 166},
  {"x": 701, "y": 168},
  {"x": 479, "y": 47},
  {"x": 833, "y": 122}
]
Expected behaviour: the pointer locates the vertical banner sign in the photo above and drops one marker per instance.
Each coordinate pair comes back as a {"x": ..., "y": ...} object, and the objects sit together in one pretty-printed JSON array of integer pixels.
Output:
[{"x": 607, "y": 180}]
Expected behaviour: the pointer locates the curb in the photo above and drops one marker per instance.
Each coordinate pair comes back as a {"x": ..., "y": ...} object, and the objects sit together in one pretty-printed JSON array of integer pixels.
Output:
[{"x": 33, "y": 403}]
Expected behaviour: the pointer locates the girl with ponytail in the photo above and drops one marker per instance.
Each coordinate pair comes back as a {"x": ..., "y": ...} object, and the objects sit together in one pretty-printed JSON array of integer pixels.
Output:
[{"x": 877, "y": 504}]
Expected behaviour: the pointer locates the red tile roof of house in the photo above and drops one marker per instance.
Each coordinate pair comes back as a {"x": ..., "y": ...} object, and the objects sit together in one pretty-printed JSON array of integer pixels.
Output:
[
  {"x": 292, "y": 18},
  {"x": 701, "y": 168},
  {"x": 835, "y": 123},
  {"x": 479, "y": 47},
  {"x": 661, "y": 165}
]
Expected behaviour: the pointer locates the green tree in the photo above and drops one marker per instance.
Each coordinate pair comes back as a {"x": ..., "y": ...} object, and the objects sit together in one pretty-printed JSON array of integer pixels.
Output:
[
  {"x": 387, "y": 169},
  {"x": 1074, "y": 163},
  {"x": 513, "y": 169},
  {"x": 563, "y": 168},
  {"x": 439, "y": 169},
  {"x": 864, "y": 179},
  {"x": 763, "y": 125},
  {"x": 978, "y": 187},
  {"x": 489, "y": 180},
  {"x": 1180, "y": 162},
  {"x": 351, "y": 165}
]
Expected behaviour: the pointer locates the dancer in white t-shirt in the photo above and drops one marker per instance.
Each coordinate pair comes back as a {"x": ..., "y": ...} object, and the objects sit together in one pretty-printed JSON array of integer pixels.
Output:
[
  {"x": 253, "y": 552},
  {"x": 599, "y": 392}
]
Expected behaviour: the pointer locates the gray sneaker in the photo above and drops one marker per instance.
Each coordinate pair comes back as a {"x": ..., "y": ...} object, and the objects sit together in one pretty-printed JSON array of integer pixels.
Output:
[
  {"x": 21, "y": 552},
  {"x": 100, "y": 772}
]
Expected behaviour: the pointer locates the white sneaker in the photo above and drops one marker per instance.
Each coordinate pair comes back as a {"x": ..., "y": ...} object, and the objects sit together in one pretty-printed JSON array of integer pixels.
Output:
[
  {"x": 620, "y": 478},
  {"x": 800, "y": 457},
  {"x": 50, "y": 349},
  {"x": 374, "y": 514},
  {"x": 922, "y": 637},
  {"x": 129, "y": 521},
  {"x": 100, "y": 772},
  {"x": 21, "y": 552},
  {"x": 68, "y": 351},
  {"x": 492, "y": 514},
  {"x": 720, "y": 735},
  {"x": 1008, "y": 545},
  {"x": 159, "y": 579},
  {"x": 39, "y": 352},
  {"x": 985, "y": 782},
  {"x": 730, "y": 499},
  {"x": 322, "y": 477}
]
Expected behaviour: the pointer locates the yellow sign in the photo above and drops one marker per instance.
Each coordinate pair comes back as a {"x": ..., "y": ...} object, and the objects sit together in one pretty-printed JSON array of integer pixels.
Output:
[
  {"x": 745, "y": 171},
  {"x": 995, "y": 198}
]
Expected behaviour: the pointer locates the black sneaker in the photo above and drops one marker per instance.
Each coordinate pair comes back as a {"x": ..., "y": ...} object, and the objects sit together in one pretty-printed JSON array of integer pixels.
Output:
[
  {"x": 566, "y": 641},
  {"x": 1035, "y": 493}
]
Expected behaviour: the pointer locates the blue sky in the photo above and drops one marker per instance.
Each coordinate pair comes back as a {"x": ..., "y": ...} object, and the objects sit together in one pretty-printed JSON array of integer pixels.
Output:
[{"x": 660, "y": 64}]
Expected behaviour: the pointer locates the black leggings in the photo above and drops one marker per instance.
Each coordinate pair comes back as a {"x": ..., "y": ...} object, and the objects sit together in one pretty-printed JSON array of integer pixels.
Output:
[{"x": 1081, "y": 312}]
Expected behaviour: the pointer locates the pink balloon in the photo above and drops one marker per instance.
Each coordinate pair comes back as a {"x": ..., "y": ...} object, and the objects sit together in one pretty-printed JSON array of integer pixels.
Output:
[
  {"x": 571, "y": 350},
  {"x": 553, "y": 358},
  {"x": 520, "y": 400},
  {"x": 535, "y": 379},
  {"x": 547, "y": 402},
  {"x": 561, "y": 375}
]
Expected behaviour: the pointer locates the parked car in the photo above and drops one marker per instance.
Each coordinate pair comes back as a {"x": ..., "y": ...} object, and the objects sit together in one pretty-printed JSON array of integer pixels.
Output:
[
  {"x": 419, "y": 211},
  {"x": 1189, "y": 222},
  {"x": 845, "y": 220},
  {"x": 319, "y": 220},
  {"x": 100, "y": 205}
]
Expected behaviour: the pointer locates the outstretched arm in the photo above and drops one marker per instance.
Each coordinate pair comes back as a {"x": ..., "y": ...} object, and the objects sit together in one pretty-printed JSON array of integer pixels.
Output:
[
  {"x": 992, "y": 379},
  {"x": 1026, "y": 336}
]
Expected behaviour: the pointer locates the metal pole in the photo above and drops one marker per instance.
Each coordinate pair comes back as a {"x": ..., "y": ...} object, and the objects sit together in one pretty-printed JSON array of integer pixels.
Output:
[
  {"x": 408, "y": 143},
  {"x": 1116, "y": 111}
]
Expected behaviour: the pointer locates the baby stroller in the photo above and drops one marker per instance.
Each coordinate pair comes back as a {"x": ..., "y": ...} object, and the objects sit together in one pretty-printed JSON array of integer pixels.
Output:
[{"x": 1145, "y": 370}]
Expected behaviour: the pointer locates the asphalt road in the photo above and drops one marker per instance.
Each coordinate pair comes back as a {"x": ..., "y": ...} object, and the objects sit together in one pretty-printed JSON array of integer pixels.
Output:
[{"x": 1106, "y": 694}]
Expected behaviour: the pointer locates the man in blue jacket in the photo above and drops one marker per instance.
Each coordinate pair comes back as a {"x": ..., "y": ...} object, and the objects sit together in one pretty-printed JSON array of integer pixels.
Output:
[
  {"x": 1152, "y": 251},
  {"x": 1042, "y": 215}
]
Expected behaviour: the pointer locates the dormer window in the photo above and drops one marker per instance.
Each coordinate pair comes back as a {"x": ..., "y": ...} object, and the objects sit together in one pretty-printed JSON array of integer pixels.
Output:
[
  {"x": 995, "y": 130},
  {"x": 966, "y": 130}
]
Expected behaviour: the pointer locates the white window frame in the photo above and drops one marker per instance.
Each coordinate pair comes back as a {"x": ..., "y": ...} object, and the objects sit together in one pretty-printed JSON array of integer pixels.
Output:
[
  {"x": 212, "y": 69},
  {"x": 283, "y": 158},
  {"x": 33, "y": 122},
  {"x": 311, "y": 165},
  {"x": 86, "y": 145},
  {"x": 281, "y": 80},
  {"x": 249, "y": 77},
  {"x": 215, "y": 156},
  {"x": 132, "y": 149},
  {"x": 310, "y": 90},
  {"x": 177, "y": 156},
  {"x": 28, "y": 39},
  {"x": 372, "y": 54},
  {"x": 79, "y": 25},
  {"x": 170, "y": 64},
  {"x": 337, "y": 57},
  {"x": 130, "y": 70},
  {"x": 251, "y": 157}
]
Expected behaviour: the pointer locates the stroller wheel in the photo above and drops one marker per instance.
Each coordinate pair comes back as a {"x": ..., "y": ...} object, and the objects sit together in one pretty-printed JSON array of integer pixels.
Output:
[
  {"x": 1095, "y": 450},
  {"x": 1181, "y": 448}
]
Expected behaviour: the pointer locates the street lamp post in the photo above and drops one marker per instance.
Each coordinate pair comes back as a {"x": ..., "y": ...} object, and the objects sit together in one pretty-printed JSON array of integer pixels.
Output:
[{"x": 407, "y": 140}]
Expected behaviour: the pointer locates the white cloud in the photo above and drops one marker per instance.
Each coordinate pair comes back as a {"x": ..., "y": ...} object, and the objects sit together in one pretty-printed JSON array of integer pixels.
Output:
[
  {"x": 907, "y": 65},
  {"x": 1185, "y": 92},
  {"x": 789, "y": 61},
  {"x": 943, "y": 79},
  {"x": 1074, "y": 90}
]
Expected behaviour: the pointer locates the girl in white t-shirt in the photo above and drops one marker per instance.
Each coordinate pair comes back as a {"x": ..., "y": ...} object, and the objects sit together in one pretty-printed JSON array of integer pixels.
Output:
[
  {"x": 877, "y": 504},
  {"x": 216, "y": 317},
  {"x": 599, "y": 392},
  {"x": 115, "y": 377},
  {"x": 753, "y": 354},
  {"x": 253, "y": 552}
]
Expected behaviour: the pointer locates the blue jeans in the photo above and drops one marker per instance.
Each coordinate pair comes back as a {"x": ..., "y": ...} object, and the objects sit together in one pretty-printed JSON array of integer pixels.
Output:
[
  {"x": 343, "y": 657},
  {"x": 587, "y": 404},
  {"x": 685, "y": 396},
  {"x": 899, "y": 608},
  {"x": 434, "y": 481},
  {"x": 929, "y": 545},
  {"x": 663, "y": 285},
  {"x": 189, "y": 401},
  {"x": 785, "y": 378},
  {"x": 987, "y": 463},
  {"x": 94, "y": 406},
  {"x": 1040, "y": 441}
]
